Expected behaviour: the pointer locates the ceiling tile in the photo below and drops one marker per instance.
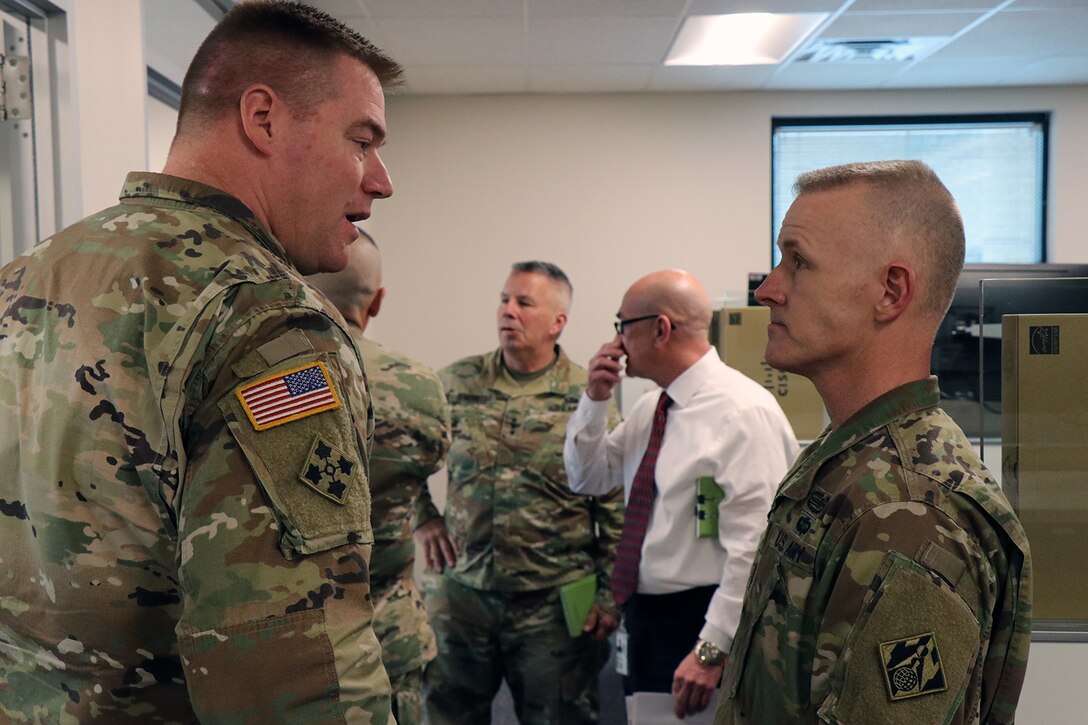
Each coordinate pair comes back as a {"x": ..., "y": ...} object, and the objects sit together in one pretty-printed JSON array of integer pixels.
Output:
[
  {"x": 486, "y": 46},
  {"x": 970, "y": 73},
  {"x": 438, "y": 8},
  {"x": 709, "y": 78},
  {"x": 339, "y": 9},
  {"x": 1029, "y": 34},
  {"x": 1045, "y": 5},
  {"x": 1059, "y": 71},
  {"x": 603, "y": 8},
  {"x": 477, "y": 79},
  {"x": 725, "y": 7},
  {"x": 595, "y": 79},
  {"x": 454, "y": 41},
  {"x": 856, "y": 26},
  {"x": 896, "y": 6},
  {"x": 797, "y": 76},
  {"x": 600, "y": 40}
]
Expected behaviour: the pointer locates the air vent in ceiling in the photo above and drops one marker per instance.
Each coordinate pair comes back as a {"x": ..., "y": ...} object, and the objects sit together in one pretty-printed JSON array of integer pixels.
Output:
[{"x": 825, "y": 50}]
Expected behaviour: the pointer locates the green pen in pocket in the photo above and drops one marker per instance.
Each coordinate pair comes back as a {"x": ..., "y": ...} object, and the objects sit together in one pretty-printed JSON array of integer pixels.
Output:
[{"x": 708, "y": 494}]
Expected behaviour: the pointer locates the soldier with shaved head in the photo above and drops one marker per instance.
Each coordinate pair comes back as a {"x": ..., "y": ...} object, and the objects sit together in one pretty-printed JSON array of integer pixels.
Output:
[
  {"x": 698, "y": 461},
  {"x": 411, "y": 437}
]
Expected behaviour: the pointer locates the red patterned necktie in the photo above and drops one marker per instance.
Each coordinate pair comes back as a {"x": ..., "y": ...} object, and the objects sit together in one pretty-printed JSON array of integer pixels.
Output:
[{"x": 639, "y": 505}]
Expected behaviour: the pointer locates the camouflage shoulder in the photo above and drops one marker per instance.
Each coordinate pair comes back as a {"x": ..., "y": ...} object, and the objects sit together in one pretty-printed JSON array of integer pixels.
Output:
[
  {"x": 457, "y": 374},
  {"x": 568, "y": 376},
  {"x": 378, "y": 357},
  {"x": 941, "y": 452}
]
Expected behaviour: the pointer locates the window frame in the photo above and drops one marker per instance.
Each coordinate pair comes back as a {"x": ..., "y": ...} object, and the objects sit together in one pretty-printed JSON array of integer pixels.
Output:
[{"x": 1040, "y": 118}]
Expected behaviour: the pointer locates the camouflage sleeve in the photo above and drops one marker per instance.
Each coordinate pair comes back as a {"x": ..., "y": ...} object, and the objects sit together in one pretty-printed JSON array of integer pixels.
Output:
[
  {"x": 907, "y": 614},
  {"x": 607, "y": 513},
  {"x": 274, "y": 523},
  {"x": 425, "y": 510}
]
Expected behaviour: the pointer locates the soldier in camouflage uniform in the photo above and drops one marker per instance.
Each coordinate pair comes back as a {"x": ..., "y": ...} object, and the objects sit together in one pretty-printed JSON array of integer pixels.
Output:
[
  {"x": 411, "y": 437},
  {"x": 519, "y": 531},
  {"x": 893, "y": 583},
  {"x": 183, "y": 475}
]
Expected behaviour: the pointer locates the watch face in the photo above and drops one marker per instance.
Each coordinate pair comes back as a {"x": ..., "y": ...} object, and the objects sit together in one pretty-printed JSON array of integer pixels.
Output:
[{"x": 708, "y": 653}]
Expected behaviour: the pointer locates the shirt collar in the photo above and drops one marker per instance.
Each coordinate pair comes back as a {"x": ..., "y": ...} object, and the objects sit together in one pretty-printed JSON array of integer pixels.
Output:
[
  {"x": 146, "y": 185},
  {"x": 555, "y": 381},
  {"x": 892, "y": 405},
  {"x": 687, "y": 383}
]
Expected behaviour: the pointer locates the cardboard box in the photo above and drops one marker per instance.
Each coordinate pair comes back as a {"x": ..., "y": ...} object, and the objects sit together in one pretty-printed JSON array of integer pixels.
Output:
[
  {"x": 740, "y": 334},
  {"x": 1044, "y": 452}
]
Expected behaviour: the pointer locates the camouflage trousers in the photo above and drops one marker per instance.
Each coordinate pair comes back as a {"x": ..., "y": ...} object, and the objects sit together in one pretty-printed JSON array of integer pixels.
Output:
[
  {"x": 408, "y": 697},
  {"x": 485, "y": 637}
]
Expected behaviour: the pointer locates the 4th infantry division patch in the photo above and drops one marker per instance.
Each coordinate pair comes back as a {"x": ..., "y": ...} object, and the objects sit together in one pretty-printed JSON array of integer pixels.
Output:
[
  {"x": 912, "y": 666},
  {"x": 288, "y": 396},
  {"x": 329, "y": 471}
]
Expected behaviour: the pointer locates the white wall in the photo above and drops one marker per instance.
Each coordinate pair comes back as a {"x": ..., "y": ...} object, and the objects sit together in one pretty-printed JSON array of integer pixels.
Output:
[
  {"x": 612, "y": 187},
  {"x": 108, "y": 100},
  {"x": 161, "y": 120}
]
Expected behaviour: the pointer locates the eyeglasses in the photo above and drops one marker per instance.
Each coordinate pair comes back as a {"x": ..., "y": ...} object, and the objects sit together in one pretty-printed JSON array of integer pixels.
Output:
[{"x": 621, "y": 323}]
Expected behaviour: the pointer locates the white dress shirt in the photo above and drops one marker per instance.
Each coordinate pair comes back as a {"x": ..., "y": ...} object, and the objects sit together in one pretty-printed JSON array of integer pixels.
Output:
[{"x": 721, "y": 424}]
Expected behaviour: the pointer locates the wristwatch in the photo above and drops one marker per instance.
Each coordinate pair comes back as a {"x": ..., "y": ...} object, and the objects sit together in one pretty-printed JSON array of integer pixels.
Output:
[{"x": 708, "y": 653}]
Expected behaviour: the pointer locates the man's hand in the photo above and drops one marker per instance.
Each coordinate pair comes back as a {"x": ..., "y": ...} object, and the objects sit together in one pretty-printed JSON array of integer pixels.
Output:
[
  {"x": 604, "y": 370},
  {"x": 693, "y": 685},
  {"x": 439, "y": 550},
  {"x": 599, "y": 623}
]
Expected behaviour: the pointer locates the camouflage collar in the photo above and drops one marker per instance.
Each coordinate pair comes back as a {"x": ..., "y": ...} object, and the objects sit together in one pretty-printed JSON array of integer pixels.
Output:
[
  {"x": 144, "y": 185},
  {"x": 909, "y": 398},
  {"x": 556, "y": 381}
]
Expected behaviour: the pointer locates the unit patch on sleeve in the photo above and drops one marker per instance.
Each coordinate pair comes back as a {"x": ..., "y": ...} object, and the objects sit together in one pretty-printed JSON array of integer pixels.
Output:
[
  {"x": 288, "y": 396},
  {"x": 329, "y": 471},
  {"x": 912, "y": 666}
]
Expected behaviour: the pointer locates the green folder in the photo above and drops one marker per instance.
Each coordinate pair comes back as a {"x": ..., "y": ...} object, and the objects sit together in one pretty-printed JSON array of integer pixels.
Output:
[
  {"x": 708, "y": 494},
  {"x": 578, "y": 597}
]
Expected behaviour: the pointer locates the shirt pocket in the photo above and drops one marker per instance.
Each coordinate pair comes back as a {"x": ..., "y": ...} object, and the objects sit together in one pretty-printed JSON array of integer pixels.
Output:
[
  {"x": 223, "y": 691},
  {"x": 542, "y": 433}
]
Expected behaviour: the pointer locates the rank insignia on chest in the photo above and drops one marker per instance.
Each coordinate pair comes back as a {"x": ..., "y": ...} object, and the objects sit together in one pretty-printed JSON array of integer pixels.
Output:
[
  {"x": 817, "y": 501},
  {"x": 329, "y": 471},
  {"x": 288, "y": 396},
  {"x": 912, "y": 666}
]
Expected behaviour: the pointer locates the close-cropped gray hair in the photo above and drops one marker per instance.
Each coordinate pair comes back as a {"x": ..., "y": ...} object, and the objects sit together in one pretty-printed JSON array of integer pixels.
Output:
[
  {"x": 910, "y": 206},
  {"x": 545, "y": 268},
  {"x": 550, "y": 271}
]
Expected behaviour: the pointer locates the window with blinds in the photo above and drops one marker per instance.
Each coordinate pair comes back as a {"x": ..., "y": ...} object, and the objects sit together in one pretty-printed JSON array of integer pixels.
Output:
[{"x": 995, "y": 165}]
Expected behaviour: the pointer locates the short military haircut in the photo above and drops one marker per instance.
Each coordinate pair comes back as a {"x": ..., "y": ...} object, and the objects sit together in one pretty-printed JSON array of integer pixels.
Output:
[
  {"x": 914, "y": 212},
  {"x": 550, "y": 271},
  {"x": 289, "y": 46}
]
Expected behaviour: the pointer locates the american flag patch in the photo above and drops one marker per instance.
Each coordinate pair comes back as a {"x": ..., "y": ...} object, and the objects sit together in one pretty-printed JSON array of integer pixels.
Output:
[{"x": 288, "y": 396}]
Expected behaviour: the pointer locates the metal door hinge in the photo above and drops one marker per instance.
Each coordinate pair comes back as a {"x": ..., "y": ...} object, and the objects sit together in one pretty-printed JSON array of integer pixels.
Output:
[{"x": 14, "y": 87}]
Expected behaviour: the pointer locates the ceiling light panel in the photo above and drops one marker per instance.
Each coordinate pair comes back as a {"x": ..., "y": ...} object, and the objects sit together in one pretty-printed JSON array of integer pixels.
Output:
[{"x": 741, "y": 38}]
